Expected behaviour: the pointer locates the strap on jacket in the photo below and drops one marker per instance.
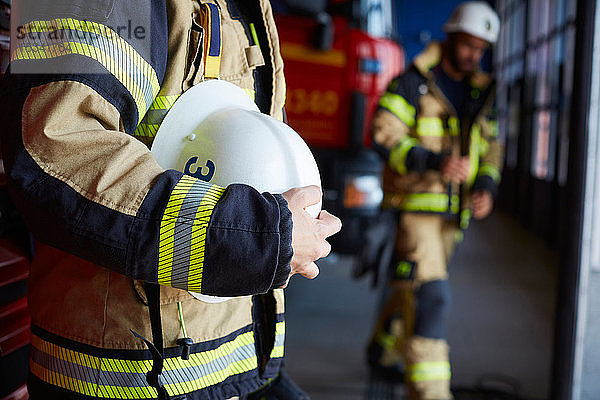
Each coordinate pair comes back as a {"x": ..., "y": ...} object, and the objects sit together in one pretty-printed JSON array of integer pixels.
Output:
[
  {"x": 211, "y": 21},
  {"x": 153, "y": 377}
]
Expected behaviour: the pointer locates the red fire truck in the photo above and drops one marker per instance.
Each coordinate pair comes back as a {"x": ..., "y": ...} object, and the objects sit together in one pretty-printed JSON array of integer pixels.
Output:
[{"x": 339, "y": 57}]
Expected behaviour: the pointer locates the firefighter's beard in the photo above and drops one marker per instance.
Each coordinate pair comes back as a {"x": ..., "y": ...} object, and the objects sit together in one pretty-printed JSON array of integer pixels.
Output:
[{"x": 462, "y": 66}]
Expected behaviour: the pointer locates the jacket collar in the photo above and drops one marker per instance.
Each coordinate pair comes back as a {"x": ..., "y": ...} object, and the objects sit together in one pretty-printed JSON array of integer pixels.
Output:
[{"x": 431, "y": 58}]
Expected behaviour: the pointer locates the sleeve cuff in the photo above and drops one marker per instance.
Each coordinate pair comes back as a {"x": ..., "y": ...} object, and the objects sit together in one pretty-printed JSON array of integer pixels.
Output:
[
  {"x": 420, "y": 159},
  {"x": 484, "y": 182},
  {"x": 248, "y": 243},
  {"x": 284, "y": 269}
]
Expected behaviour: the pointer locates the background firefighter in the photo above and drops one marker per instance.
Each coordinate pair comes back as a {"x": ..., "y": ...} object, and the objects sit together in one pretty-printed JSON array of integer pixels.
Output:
[{"x": 436, "y": 129}]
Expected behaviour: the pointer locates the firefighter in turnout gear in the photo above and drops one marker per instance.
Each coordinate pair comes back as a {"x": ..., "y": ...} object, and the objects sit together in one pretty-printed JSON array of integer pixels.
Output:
[
  {"x": 436, "y": 130},
  {"x": 121, "y": 242}
]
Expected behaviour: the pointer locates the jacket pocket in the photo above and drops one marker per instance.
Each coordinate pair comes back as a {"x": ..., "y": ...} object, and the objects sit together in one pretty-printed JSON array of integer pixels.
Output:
[
  {"x": 194, "y": 65},
  {"x": 168, "y": 295}
]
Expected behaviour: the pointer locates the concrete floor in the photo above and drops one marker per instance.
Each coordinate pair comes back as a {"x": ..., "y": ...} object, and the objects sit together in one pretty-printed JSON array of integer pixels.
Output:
[{"x": 504, "y": 284}]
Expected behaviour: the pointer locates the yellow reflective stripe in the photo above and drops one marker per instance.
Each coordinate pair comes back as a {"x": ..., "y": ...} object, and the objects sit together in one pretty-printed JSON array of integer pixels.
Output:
[
  {"x": 454, "y": 126},
  {"x": 65, "y": 48},
  {"x": 429, "y": 371},
  {"x": 79, "y": 365},
  {"x": 198, "y": 238},
  {"x": 89, "y": 361},
  {"x": 183, "y": 233},
  {"x": 68, "y": 36},
  {"x": 399, "y": 107},
  {"x": 474, "y": 153},
  {"x": 465, "y": 218},
  {"x": 211, "y": 21},
  {"x": 88, "y": 388},
  {"x": 489, "y": 169},
  {"x": 278, "y": 348},
  {"x": 167, "y": 229},
  {"x": 125, "y": 378},
  {"x": 386, "y": 340},
  {"x": 430, "y": 126},
  {"x": 146, "y": 130},
  {"x": 399, "y": 152},
  {"x": 493, "y": 128},
  {"x": 430, "y": 202},
  {"x": 233, "y": 368},
  {"x": 459, "y": 236},
  {"x": 484, "y": 146},
  {"x": 164, "y": 102},
  {"x": 244, "y": 364},
  {"x": 205, "y": 357},
  {"x": 155, "y": 115},
  {"x": 404, "y": 269}
]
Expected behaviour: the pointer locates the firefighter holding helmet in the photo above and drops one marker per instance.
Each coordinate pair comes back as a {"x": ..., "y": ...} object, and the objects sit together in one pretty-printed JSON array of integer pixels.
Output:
[
  {"x": 147, "y": 282},
  {"x": 435, "y": 127}
]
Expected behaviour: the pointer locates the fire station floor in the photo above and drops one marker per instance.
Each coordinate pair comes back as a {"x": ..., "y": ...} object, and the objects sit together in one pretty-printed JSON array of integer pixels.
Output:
[{"x": 503, "y": 282}]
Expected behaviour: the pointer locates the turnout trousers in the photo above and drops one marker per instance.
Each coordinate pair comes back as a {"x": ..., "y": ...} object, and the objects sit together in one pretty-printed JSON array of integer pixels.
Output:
[{"x": 410, "y": 332}]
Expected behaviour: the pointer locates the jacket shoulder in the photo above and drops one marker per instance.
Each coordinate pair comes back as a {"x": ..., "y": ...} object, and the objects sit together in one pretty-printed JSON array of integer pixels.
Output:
[
  {"x": 407, "y": 84},
  {"x": 117, "y": 47}
]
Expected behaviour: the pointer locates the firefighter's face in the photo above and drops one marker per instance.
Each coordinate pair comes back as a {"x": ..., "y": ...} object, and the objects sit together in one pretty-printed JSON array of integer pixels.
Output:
[{"x": 466, "y": 52}]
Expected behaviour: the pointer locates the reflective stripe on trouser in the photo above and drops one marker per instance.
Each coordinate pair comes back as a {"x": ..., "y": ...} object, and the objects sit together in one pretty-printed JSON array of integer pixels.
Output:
[
  {"x": 428, "y": 369},
  {"x": 427, "y": 241}
]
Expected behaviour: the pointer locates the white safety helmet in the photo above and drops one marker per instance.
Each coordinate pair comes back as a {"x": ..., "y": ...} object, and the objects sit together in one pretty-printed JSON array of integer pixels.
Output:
[
  {"x": 215, "y": 132},
  {"x": 476, "y": 18}
]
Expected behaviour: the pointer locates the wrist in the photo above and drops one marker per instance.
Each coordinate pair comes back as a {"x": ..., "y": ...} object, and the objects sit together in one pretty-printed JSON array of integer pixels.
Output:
[{"x": 283, "y": 269}]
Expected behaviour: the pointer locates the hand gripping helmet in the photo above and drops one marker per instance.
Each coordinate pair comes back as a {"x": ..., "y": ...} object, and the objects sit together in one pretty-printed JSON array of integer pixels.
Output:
[
  {"x": 476, "y": 18},
  {"x": 216, "y": 133}
]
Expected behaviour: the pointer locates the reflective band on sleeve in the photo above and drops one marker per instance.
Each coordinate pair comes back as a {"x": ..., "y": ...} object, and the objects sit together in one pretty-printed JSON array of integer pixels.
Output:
[
  {"x": 399, "y": 152},
  {"x": 126, "y": 378},
  {"x": 67, "y": 36},
  {"x": 430, "y": 126},
  {"x": 430, "y": 202},
  {"x": 155, "y": 116},
  {"x": 488, "y": 169},
  {"x": 158, "y": 111},
  {"x": 429, "y": 371},
  {"x": 183, "y": 233},
  {"x": 453, "y": 126},
  {"x": 399, "y": 107},
  {"x": 211, "y": 21},
  {"x": 493, "y": 128},
  {"x": 474, "y": 154}
]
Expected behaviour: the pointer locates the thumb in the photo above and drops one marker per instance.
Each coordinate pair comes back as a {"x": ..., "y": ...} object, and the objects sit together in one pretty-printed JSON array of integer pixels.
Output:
[{"x": 303, "y": 197}]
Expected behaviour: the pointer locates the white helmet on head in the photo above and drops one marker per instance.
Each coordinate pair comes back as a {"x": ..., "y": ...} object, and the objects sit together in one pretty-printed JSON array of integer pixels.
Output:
[
  {"x": 476, "y": 18},
  {"x": 216, "y": 133}
]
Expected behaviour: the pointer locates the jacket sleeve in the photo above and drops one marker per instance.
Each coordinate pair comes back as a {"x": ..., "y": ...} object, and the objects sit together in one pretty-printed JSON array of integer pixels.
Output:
[
  {"x": 491, "y": 155},
  {"x": 393, "y": 125},
  {"x": 70, "y": 104}
]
